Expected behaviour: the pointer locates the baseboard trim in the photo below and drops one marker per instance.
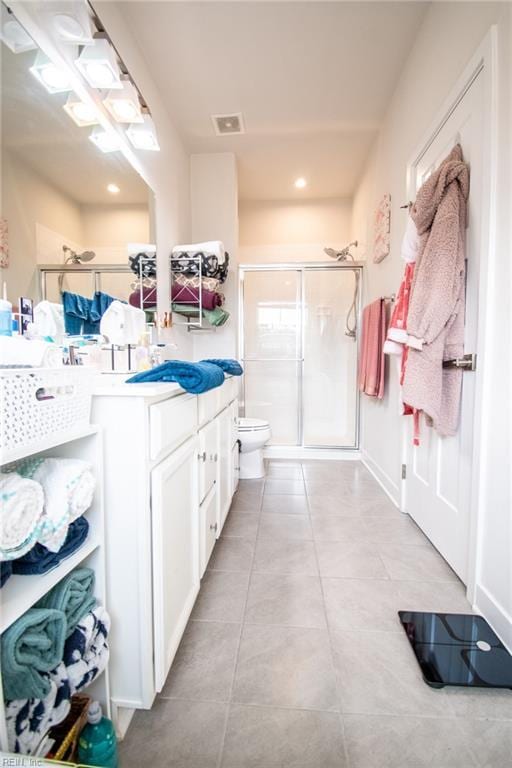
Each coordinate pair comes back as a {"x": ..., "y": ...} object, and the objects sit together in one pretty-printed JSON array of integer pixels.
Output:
[
  {"x": 297, "y": 452},
  {"x": 495, "y": 614},
  {"x": 383, "y": 479}
]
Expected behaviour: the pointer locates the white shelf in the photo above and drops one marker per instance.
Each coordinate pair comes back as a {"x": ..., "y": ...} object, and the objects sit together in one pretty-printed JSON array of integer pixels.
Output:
[
  {"x": 20, "y": 593},
  {"x": 52, "y": 441}
]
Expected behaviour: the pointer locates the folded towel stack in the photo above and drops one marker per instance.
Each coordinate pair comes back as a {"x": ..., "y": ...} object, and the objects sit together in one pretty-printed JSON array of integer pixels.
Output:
[
  {"x": 193, "y": 377},
  {"x": 215, "y": 317},
  {"x": 68, "y": 486},
  {"x": 21, "y": 513},
  {"x": 74, "y": 596},
  {"x": 30, "y": 648},
  {"x": 85, "y": 656}
]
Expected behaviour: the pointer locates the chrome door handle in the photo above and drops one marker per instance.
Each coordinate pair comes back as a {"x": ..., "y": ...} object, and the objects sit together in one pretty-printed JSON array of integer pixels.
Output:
[{"x": 466, "y": 363}]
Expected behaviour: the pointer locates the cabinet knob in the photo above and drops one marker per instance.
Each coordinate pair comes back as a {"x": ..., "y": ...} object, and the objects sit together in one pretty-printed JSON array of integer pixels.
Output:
[
  {"x": 202, "y": 456},
  {"x": 216, "y": 457},
  {"x": 213, "y": 527}
]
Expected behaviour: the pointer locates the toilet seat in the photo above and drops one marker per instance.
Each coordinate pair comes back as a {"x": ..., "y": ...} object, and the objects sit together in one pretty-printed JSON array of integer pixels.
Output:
[{"x": 252, "y": 425}]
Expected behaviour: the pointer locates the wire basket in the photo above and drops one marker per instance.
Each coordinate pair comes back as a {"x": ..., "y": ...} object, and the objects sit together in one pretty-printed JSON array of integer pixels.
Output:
[
  {"x": 38, "y": 402},
  {"x": 67, "y": 734}
]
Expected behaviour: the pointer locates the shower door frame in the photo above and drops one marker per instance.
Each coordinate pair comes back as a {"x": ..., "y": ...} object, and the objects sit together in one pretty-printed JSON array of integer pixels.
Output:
[{"x": 302, "y": 268}]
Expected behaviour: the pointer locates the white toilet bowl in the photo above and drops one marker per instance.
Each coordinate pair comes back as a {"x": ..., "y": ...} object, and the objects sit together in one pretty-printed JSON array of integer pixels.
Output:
[{"x": 253, "y": 434}]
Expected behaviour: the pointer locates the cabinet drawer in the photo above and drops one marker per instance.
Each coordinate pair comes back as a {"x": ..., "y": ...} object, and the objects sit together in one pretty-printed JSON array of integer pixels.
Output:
[
  {"x": 171, "y": 423},
  {"x": 209, "y": 404},
  {"x": 208, "y": 527}
]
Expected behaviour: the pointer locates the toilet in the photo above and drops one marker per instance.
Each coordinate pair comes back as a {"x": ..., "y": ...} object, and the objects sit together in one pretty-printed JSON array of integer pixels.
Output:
[{"x": 253, "y": 434}]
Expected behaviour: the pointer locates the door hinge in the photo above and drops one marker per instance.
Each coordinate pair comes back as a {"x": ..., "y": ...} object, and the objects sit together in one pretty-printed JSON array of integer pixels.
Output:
[
  {"x": 466, "y": 363},
  {"x": 404, "y": 471}
]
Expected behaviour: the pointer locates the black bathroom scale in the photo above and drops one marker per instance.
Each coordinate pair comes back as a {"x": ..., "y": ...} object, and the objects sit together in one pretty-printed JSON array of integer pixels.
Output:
[{"x": 457, "y": 649}]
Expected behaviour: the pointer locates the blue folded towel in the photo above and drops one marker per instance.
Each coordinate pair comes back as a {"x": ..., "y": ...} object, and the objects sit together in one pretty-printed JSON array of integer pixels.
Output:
[
  {"x": 228, "y": 365},
  {"x": 5, "y": 571},
  {"x": 41, "y": 560},
  {"x": 31, "y": 648},
  {"x": 193, "y": 377}
]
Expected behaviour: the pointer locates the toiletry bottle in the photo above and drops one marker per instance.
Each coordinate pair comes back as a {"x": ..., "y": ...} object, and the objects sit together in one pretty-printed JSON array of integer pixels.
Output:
[
  {"x": 5, "y": 314},
  {"x": 97, "y": 744}
]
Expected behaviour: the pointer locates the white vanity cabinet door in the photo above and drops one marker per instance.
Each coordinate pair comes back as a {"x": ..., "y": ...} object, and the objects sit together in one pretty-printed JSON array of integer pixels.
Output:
[
  {"x": 175, "y": 535},
  {"x": 208, "y": 527},
  {"x": 235, "y": 467},
  {"x": 207, "y": 459},
  {"x": 225, "y": 483}
]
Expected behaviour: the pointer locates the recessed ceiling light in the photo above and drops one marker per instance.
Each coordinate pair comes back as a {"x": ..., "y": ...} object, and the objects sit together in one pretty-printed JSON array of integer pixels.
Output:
[
  {"x": 54, "y": 78},
  {"x": 300, "y": 183},
  {"x": 123, "y": 104},
  {"x": 14, "y": 36},
  {"x": 98, "y": 64},
  {"x": 82, "y": 114},
  {"x": 107, "y": 141},
  {"x": 143, "y": 135},
  {"x": 113, "y": 189}
]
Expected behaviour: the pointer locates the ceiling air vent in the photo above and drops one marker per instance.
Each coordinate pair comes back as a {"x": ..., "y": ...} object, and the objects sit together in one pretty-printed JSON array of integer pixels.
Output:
[{"x": 228, "y": 124}]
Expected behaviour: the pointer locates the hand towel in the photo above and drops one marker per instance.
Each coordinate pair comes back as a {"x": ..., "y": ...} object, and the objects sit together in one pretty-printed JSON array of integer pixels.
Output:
[
  {"x": 76, "y": 312},
  {"x": 49, "y": 320},
  {"x": 193, "y": 377},
  {"x": 28, "y": 720},
  {"x": 99, "y": 305},
  {"x": 210, "y": 247},
  {"x": 215, "y": 317},
  {"x": 86, "y": 650},
  {"x": 68, "y": 486},
  {"x": 123, "y": 324},
  {"x": 228, "y": 365},
  {"x": 30, "y": 648},
  {"x": 17, "y": 350},
  {"x": 21, "y": 512},
  {"x": 371, "y": 377},
  {"x": 149, "y": 298},
  {"x": 74, "y": 596},
  {"x": 41, "y": 560}
]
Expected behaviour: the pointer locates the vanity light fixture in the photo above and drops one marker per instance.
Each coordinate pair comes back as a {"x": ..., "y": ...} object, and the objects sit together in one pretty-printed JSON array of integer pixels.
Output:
[
  {"x": 113, "y": 189},
  {"x": 123, "y": 104},
  {"x": 107, "y": 141},
  {"x": 300, "y": 183},
  {"x": 82, "y": 114},
  {"x": 143, "y": 135},
  {"x": 54, "y": 78},
  {"x": 13, "y": 34},
  {"x": 98, "y": 64},
  {"x": 72, "y": 22}
]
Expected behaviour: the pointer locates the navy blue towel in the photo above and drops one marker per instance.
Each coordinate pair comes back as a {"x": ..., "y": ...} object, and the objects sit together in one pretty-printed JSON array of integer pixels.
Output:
[
  {"x": 40, "y": 560},
  {"x": 232, "y": 367},
  {"x": 193, "y": 377},
  {"x": 5, "y": 571}
]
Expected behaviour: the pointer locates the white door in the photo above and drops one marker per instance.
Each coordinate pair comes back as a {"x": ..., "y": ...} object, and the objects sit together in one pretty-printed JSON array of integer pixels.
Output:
[
  {"x": 438, "y": 485},
  {"x": 174, "y": 511},
  {"x": 224, "y": 480},
  {"x": 207, "y": 459}
]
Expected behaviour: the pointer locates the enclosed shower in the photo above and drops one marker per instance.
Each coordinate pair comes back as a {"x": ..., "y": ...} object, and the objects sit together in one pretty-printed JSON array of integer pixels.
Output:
[{"x": 298, "y": 342}]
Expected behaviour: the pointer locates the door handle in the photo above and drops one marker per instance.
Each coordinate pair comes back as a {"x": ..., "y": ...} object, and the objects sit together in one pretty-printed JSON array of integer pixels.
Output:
[
  {"x": 201, "y": 456},
  {"x": 465, "y": 363}
]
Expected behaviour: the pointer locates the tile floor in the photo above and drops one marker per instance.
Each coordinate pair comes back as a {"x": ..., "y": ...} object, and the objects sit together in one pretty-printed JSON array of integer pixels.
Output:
[{"x": 294, "y": 657}]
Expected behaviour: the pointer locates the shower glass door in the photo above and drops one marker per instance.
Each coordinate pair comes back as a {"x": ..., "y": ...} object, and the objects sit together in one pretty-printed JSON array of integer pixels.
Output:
[
  {"x": 272, "y": 350},
  {"x": 329, "y": 387},
  {"x": 300, "y": 364}
]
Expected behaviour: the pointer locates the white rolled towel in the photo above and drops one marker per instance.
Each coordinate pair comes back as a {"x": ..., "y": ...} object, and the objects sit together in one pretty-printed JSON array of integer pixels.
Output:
[
  {"x": 123, "y": 324},
  {"x": 21, "y": 511},
  {"x": 17, "y": 350},
  {"x": 209, "y": 247},
  {"x": 68, "y": 486}
]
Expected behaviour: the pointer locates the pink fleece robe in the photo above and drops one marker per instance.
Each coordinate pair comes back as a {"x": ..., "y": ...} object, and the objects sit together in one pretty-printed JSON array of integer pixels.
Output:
[{"x": 435, "y": 322}]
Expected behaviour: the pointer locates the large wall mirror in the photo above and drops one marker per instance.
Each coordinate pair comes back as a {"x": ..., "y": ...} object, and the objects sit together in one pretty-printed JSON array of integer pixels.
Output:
[{"x": 63, "y": 200}]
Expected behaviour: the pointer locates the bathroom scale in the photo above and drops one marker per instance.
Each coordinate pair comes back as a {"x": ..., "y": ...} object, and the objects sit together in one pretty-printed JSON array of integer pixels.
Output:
[{"x": 457, "y": 649}]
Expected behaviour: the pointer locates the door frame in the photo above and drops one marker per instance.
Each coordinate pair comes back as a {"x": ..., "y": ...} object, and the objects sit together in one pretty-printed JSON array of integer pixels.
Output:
[
  {"x": 302, "y": 267},
  {"x": 483, "y": 63}
]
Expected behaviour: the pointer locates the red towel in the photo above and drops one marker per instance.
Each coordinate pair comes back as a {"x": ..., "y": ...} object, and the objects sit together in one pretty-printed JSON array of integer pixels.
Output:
[{"x": 372, "y": 362}]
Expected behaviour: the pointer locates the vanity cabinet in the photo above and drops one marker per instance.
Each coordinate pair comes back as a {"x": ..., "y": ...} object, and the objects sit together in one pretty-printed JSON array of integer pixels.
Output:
[{"x": 170, "y": 462}]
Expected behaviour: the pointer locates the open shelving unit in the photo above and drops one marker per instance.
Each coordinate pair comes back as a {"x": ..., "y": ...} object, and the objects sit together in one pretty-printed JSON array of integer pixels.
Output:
[{"x": 20, "y": 593}]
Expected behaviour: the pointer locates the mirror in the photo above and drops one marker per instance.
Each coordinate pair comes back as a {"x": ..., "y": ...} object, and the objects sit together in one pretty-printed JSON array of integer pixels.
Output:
[{"x": 63, "y": 200}]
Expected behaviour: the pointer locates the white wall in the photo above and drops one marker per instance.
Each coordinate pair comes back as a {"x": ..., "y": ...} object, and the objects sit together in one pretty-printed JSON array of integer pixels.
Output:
[
  {"x": 27, "y": 200},
  {"x": 291, "y": 230},
  {"x": 214, "y": 216},
  {"x": 450, "y": 34}
]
